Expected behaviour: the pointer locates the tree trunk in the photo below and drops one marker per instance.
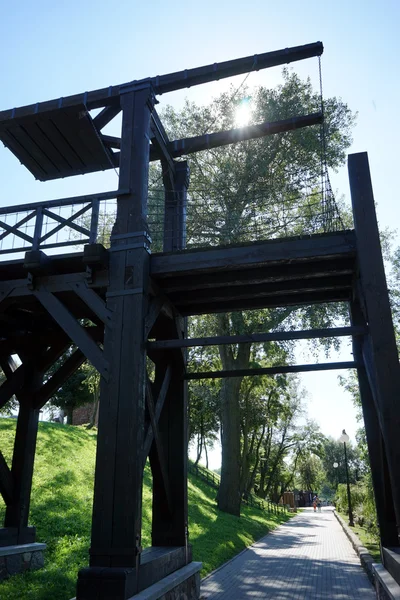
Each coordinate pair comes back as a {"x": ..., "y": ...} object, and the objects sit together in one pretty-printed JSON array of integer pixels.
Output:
[
  {"x": 199, "y": 448},
  {"x": 205, "y": 450},
  {"x": 95, "y": 410},
  {"x": 229, "y": 490}
]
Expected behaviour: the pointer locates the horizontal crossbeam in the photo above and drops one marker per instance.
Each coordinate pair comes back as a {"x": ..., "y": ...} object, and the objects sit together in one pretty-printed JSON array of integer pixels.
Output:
[
  {"x": 162, "y": 84},
  {"x": 277, "y": 336},
  {"x": 271, "y": 370},
  {"x": 223, "y": 138}
]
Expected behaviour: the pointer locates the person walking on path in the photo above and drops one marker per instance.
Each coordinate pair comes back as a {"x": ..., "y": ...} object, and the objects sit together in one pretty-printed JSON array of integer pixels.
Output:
[
  {"x": 319, "y": 504},
  {"x": 314, "y": 503},
  {"x": 303, "y": 559}
]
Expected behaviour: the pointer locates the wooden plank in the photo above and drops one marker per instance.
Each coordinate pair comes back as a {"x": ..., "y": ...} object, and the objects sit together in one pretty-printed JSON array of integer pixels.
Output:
[
  {"x": 271, "y": 370},
  {"x": 6, "y": 481},
  {"x": 74, "y": 330},
  {"x": 262, "y": 274},
  {"x": 330, "y": 245},
  {"x": 21, "y": 153},
  {"x": 375, "y": 300},
  {"x": 277, "y": 336},
  {"x": 262, "y": 290},
  {"x": 335, "y": 295}
]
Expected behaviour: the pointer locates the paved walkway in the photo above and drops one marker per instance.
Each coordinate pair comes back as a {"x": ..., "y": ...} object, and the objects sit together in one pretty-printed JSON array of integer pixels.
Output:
[{"x": 307, "y": 558}]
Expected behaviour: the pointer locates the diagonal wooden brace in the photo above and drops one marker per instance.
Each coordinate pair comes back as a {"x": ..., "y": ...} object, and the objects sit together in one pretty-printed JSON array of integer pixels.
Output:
[
  {"x": 6, "y": 481},
  {"x": 74, "y": 330}
]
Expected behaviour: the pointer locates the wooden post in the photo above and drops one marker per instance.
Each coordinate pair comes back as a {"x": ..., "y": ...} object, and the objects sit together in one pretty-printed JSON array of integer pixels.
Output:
[
  {"x": 16, "y": 530},
  {"x": 375, "y": 442},
  {"x": 171, "y": 529},
  {"x": 116, "y": 526},
  {"x": 383, "y": 366}
]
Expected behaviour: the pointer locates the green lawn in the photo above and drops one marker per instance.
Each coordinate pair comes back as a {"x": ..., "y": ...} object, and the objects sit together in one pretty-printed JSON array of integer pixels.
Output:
[{"x": 61, "y": 511}]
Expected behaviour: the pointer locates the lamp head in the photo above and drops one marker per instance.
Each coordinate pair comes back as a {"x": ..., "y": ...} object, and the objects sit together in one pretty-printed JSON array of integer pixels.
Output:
[{"x": 344, "y": 438}]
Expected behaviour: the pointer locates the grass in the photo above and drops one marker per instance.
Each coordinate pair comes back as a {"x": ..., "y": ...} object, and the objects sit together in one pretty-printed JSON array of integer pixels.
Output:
[
  {"x": 367, "y": 539},
  {"x": 61, "y": 510}
]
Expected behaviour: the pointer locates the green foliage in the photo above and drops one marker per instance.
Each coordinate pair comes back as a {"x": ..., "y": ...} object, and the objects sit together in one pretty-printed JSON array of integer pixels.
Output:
[
  {"x": 74, "y": 392},
  {"x": 61, "y": 510}
]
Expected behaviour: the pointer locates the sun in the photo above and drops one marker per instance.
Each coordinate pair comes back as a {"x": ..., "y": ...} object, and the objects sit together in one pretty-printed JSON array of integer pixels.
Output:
[{"x": 243, "y": 113}]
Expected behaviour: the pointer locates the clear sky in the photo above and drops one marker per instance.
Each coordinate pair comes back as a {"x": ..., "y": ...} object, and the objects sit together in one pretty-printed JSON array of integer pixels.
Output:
[{"x": 51, "y": 49}]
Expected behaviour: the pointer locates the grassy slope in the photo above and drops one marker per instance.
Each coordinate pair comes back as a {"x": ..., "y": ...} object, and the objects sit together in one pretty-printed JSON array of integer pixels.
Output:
[
  {"x": 62, "y": 504},
  {"x": 370, "y": 541}
]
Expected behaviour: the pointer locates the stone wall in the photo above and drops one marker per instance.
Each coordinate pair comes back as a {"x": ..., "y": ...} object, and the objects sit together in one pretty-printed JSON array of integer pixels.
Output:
[{"x": 18, "y": 559}]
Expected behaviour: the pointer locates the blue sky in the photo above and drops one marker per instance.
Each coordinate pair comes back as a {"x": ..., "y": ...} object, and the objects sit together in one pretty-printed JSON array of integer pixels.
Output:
[{"x": 52, "y": 49}]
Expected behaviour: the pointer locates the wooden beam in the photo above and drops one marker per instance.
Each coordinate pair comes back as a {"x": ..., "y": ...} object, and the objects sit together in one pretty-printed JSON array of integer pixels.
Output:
[
  {"x": 161, "y": 146},
  {"x": 264, "y": 274},
  {"x": 50, "y": 387},
  {"x": 157, "y": 457},
  {"x": 191, "y": 145},
  {"x": 6, "y": 481},
  {"x": 277, "y": 336},
  {"x": 105, "y": 116},
  {"x": 167, "y": 83},
  {"x": 93, "y": 301},
  {"x": 111, "y": 141},
  {"x": 384, "y": 360},
  {"x": 315, "y": 247},
  {"x": 262, "y": 290},
  {"x": 148, "y": 440},
  {"x": 313, "y": 297},
  {"x": 271, "y": 370},
  {"x": 74, "y": 330}
]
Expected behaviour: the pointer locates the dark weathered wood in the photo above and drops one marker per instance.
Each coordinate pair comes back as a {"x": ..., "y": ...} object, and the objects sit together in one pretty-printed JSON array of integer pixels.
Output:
[
  {"x": 329, "y": 245},
  {"x": 6, "y": 481},
  {"x": 277, "y": 336},
  {"x": 374, "y": 298},
  {"x": 162, "y": 392},
  {"x": 93, "y": 301},
  {"x": 116, "y": 524},
  {"x": 157, "y": 456},
  {"x": 376, "y": 447},
  {"x": 68, "y": 368},
  {"x": 271, "y": 370},
  {"x": 167, "y": 83},
  {"x": 17, "y": 511},
  {"x": 74, "y": 330},
  {"x": 105, "y": 116},
  {"x": 223, "y": 138},
  {"x": 264, "y": 274},
  {"x": 170, "y": 529},
  {"x": 86, "y": 198}
]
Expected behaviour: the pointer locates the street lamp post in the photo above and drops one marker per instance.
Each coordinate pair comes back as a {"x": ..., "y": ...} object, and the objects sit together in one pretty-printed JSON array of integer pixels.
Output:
[
  {"x": 345, "y": 439},
  {"x": 335, "y": 466}
]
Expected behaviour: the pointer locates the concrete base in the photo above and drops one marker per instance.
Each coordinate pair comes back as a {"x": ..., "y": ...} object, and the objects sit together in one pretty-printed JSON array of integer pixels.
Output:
[
  {"x": 183, "y": 584},
  {"x": 20, "y": 558},
  {"x": 386, "y": 587}
]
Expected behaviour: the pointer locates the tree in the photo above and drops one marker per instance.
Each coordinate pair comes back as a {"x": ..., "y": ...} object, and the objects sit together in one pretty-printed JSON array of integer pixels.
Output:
[
  {"x": 275, "y": 177},
  {"x": 74, "y": 392}
]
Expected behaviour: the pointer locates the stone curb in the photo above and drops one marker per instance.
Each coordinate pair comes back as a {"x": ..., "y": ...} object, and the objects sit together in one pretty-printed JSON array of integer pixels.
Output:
[{"x": 366, "y": 559}]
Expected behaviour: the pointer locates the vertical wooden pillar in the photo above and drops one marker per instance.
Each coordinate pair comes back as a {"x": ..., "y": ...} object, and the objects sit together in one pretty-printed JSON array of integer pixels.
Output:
[
  {"x": 376, "y": 446},
  {"x": 383, "y": 364},
  {"x": 170, "y": 529},
  {"x": 175, "y": 207},
  {"x": 16, "y": 530},
  {"x": 116, "y": 526}
]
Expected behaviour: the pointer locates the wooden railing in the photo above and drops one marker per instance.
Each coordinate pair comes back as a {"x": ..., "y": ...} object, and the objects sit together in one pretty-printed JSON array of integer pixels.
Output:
[{"x": 53, "y": 223}]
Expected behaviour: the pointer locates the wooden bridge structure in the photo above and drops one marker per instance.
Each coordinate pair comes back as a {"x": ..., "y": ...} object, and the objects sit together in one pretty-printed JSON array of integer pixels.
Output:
[{"x": 115, "y": 307}]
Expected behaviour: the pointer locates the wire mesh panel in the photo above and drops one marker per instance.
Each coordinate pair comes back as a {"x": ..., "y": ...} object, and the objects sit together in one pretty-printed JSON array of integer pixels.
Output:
[{"x": 302, "y": 205}]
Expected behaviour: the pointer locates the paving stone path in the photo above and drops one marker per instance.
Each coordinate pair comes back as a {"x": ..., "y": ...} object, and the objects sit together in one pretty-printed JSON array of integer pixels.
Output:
[{"x": 307, "y": 558}]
